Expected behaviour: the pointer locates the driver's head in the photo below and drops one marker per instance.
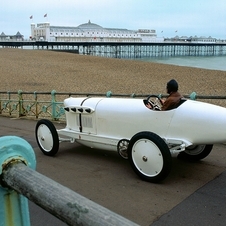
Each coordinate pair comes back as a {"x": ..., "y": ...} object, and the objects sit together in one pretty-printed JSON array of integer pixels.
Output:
[{"x": 172, "y": 86}]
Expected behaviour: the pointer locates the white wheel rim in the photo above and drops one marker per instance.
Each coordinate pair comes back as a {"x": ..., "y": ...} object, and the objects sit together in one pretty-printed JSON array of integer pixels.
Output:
[
  {"x": 45, "y": 137},
  {"x": 147, "y": 157}
]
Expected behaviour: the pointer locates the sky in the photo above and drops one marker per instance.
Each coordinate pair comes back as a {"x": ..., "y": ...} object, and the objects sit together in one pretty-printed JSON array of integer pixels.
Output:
[{"x": 168, "y": 17}]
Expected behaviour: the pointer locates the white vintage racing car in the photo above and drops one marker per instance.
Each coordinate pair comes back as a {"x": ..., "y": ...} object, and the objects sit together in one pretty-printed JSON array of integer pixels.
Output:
[{"x": 147, "y": 137}]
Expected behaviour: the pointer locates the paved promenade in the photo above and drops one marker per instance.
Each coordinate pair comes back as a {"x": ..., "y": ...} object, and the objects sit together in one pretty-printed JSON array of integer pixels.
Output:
[{"x": 193, "y": 194}]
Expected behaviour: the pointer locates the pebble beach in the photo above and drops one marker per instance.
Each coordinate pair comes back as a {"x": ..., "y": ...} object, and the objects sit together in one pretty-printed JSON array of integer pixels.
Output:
[{"x": 44, "y": 71}]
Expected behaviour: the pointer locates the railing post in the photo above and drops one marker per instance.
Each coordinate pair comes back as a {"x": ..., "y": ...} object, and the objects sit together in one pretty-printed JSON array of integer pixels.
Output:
[
  {"x": 21, "y": 107},
  {"x": 13, "y": 206},
  {"x": 53, "y": 100},
  {"x": 193, "y": 96},
  {"x": 108, "y": 94},
  {"x": 0, "y": 104},
  {"x": 9, "y": 97},
  {"x": 36, "y": 104},
  {"x": 16, "y": 162}
]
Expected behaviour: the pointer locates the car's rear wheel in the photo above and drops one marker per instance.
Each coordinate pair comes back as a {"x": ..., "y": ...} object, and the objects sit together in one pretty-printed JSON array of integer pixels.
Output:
[
  {"x": 47, "y": 137},
  {"x": 149, "y": 156},
  {"x": 196, "y": 152}
]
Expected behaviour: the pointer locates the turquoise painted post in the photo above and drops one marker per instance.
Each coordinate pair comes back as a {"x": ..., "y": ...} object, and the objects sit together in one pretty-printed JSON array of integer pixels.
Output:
[
  {"x": 21, "y": 108},
  {"x": 36, "y": 104},
  {"x": 8, "y": 102},
  {"x": 193, "y": 96},
  {"x": 54, "y": 113},
  {"x": 13, "y": 206},
  {"x": 108, "y": 94}
]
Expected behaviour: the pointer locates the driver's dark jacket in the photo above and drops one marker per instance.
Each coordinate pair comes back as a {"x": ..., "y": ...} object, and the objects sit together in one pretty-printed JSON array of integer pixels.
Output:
[{"x": 172, "y": 101}]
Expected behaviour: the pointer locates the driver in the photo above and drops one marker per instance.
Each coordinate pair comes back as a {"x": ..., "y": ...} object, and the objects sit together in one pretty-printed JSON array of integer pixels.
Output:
[{"x": 174, "y": 97}]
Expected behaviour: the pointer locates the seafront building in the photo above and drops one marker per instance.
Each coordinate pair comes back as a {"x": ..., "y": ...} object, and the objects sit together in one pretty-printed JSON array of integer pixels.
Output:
[
  {"x": 90, "y": 32},
  {"x": 192, "y": 39},
  {"x": 93, "y": 39},
  {"x": 16, "y": 37}
]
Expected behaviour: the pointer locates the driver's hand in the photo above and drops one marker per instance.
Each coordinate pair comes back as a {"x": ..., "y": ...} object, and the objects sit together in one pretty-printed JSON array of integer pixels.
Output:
[
  {"x": 163, "y": 101},
  {"x": 148, "y": 105}
]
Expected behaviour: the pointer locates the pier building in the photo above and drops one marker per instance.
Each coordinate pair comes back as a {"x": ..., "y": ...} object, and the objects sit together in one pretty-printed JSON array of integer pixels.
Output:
[
  {"x": 16, "y": 37},
  {"x": 93, "y": 39},
  {"x": 90, "y": 32}
]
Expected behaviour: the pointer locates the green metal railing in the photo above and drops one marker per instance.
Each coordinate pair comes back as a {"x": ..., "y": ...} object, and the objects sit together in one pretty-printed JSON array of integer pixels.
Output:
[
  {"x": 50, "y": 104},
  {"x": 31, "y": 104}
]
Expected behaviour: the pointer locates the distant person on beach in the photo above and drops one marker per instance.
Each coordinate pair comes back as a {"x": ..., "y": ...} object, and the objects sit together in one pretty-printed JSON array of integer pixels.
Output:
[{"x": 174, "y": 97}]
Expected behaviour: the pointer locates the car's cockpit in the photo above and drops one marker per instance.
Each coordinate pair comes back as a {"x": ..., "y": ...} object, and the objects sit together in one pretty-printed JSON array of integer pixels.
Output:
[{"x": 153, "y": 102}]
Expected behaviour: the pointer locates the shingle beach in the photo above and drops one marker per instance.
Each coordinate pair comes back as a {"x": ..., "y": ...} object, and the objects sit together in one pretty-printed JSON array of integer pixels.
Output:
[{"x": 44, "y": 71}]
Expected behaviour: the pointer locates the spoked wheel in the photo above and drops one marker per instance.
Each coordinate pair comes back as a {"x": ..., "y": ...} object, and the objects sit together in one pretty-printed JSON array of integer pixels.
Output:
[
  {"x": 47, "y": 137},
  {"x": 122, "y": 148},
  {"x": 149, "y": 156},
  {"x": 155, "y": 101},
  {"x": 196, "y": 152}
]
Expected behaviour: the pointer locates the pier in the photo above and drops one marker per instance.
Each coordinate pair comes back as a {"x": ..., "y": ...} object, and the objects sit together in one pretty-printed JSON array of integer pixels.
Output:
[{"x": 125, "y": 49}]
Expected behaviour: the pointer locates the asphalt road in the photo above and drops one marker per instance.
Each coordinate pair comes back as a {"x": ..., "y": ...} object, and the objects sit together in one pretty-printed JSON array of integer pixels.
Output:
[{"x": 193, "y": 194}]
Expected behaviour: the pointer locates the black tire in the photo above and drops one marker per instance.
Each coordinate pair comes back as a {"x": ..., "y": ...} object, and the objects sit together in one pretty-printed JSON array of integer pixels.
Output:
[
  {"x": 196, "y": 152},
  {"x": 47, "y": 137},
  {"x": 149, "y": 157}
]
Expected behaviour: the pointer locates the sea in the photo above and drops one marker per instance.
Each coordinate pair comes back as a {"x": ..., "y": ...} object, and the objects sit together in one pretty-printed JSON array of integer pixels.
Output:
[{"x": 205, "y": 62}]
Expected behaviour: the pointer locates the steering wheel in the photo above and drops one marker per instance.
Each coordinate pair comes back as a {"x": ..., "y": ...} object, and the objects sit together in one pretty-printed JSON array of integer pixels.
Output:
[{"x": 155, "y": 101}]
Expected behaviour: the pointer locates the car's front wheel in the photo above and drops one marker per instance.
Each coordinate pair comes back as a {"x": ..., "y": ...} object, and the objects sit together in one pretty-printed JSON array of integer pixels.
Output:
[
  {"x": 149, "y": 156},
  {"x": 47, "y": 137},
  {"x": 196, "y": 152}
]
